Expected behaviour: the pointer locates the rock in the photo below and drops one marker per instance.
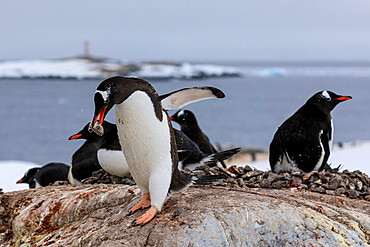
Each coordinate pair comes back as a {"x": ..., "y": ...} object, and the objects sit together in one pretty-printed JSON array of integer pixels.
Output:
[
  {"x": 252, "y": 174},
  {"x": 241, "y": 182},
  {"x": 352, "y": 194},
  {"x": 247, "y": 168},
  {"x": 334, "y": 183},
  {"x": 96, "y": 215}
]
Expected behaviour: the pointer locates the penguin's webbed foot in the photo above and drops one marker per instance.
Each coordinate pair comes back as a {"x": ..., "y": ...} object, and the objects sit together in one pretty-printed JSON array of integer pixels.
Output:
[
  {"x": 145, "y": 218},
  {"x": 143, "y": 203}
]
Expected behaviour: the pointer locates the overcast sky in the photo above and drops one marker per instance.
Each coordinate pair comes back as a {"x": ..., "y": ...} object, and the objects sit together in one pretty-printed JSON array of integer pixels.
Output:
[{"x": 187, "y": 30}]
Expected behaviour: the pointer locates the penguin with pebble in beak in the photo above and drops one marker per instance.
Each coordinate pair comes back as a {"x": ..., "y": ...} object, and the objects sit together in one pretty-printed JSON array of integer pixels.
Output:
[{"x": 146, "y": 135}]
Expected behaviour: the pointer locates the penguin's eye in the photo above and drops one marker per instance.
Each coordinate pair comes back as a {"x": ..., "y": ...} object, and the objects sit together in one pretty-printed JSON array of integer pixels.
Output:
[{"x": 328, "y": 99}]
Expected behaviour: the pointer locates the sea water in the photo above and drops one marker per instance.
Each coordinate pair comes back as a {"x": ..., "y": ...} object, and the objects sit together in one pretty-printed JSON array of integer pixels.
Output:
[{"x": 38, "y": 115}]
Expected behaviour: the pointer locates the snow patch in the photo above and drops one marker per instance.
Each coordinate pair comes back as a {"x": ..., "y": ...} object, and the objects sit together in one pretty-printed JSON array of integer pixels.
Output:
[{"x": 11, "y": 172}]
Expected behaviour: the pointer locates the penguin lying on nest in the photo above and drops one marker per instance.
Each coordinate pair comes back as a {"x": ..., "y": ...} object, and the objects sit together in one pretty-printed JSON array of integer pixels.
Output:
[
  {"x": 105, "y": 152},
  {"x": 86, "y": 159},
  {"x": 304, "y": 140},
  {"x": 43, "y": 176},
  {"x": 146, "y": 135}
]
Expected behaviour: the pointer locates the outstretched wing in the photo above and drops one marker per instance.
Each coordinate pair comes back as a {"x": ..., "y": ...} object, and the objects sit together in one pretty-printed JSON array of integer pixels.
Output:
[{"x": 185, "y": 96}]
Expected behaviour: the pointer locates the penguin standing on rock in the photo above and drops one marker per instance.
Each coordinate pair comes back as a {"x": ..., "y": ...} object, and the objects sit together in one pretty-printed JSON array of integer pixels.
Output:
[
  {"x": 304, "y": 140},
  {"x": 146, "y": 135}
]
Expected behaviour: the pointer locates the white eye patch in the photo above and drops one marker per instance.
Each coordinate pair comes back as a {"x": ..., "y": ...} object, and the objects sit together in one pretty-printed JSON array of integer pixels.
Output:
[
  {"x": 180, "y": 113},
  {"x": 326, "y": 95},
  {"x": 104, "y": 94}
]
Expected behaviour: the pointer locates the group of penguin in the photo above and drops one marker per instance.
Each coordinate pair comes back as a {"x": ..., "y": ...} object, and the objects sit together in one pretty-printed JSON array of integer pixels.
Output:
[{"x": 144, "y": 144}]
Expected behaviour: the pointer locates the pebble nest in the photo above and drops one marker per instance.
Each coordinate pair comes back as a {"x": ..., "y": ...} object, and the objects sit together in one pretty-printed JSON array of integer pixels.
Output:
[{"x": 355, "y": 185}]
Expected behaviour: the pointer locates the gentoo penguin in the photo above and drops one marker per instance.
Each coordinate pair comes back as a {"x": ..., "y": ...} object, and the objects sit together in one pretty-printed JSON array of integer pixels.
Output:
[
  {"x": 98, "y": 152},
  {"x": 305, "y": 139},
  {"x": 191, "y": 157},
  {"x": 189, "y": 126},
  {"x": 43, "y": 176},
  {"x": 146, "y": 135}
]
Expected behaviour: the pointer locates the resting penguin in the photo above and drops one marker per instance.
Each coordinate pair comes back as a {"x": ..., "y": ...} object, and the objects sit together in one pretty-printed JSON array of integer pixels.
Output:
[
  {"x": 146, "y": 135},
  {"x": 43, "y": 176},
  {"x": 305, "y": 139},
  {"x": 97, "y": 152},
  {"x": 189, "y": 126}
]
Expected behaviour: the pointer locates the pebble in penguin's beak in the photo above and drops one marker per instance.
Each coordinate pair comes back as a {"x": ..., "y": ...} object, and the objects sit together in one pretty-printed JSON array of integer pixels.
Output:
[{"x": 96, "y": 124}]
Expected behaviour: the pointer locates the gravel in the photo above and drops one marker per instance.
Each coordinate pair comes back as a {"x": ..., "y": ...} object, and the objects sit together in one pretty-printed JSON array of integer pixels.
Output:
[{"x": 354, "y": 184}]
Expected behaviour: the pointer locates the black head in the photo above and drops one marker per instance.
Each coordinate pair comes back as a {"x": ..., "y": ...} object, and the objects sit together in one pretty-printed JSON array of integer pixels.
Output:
[
  {"x": 29, "y": 176},
  {"x": 86, "y": 134},
  {"x": 114, "y": 91},
  {"x": 326, "y": 100},
  {"x": 184, "y": 117}
]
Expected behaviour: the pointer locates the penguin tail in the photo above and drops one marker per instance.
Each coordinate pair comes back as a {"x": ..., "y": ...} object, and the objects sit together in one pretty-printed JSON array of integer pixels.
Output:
[
  {"x": 207, "y": 179},
  {"x": 181, "y": 180},
  {"x": 212, "y": 159}
]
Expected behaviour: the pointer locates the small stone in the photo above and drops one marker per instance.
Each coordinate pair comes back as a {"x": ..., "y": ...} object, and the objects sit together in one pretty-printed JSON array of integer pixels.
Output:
[
  {"x": 247, "y": 168},
  {"x": 334, "y": 183},
  {"x": 251, "y": 174},
  {"x": 272, "y": 177},
  {"x": 330, "y": 192},
  {"x": 297, "y": 180},
  {"x": 241, "y": 170},
  {"x": 359, "y": 185},
  {"x": 265, "y": 183},
  {"x": 341, "y": 190},
  {"x": 322, "y": 176},
  {"x": 353, "y": 194},
  {"x": 296, "y": 173},
  {"x": 303, "y": 187},
  {"x": 259, "y": 178},
  {"x": 364, "y": 188},
  {"x": 281, "y": 184},
  {"x": 319, "y": 182},
  {"x": 321, "y": 190},
  {"x": 351, "y": 186},
  {"x": 307, "y": 176},
  {"x": 231, "y": 181},
  {"x": 241, "y": 182}
]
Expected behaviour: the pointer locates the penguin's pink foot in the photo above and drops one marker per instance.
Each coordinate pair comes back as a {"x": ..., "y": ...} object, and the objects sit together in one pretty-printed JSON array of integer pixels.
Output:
[
  {"x": 145, "y": 218},
  {"x": 143, "y": 203}
]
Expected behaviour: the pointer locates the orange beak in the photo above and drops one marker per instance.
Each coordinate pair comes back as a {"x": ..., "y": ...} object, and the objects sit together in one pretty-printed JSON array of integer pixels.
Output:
[
  {"x": 344, "y": 98},
  {"x": 20, "y": 181},
  {"x": 75, "y": 136},
  {"x": 172, "y": 118},
  {"x": 100, "y": 116}
]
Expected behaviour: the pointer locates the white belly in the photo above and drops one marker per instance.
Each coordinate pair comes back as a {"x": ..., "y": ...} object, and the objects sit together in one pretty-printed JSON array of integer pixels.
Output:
[
  {"x": 331, "y": 136},
  {"x": 71, "y": 179},
  {"x": 146, "y": 144},
  {"x": 113, "y": 162},
  {"x": 321, "y": 159}
]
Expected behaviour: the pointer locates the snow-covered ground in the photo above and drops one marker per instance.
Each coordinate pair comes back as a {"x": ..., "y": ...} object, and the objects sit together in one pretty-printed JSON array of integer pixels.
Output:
[
  {"x": 82, "y": 68},
  {"x": 352, "y": 157}
]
